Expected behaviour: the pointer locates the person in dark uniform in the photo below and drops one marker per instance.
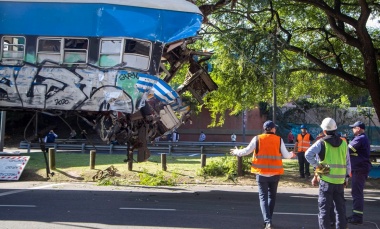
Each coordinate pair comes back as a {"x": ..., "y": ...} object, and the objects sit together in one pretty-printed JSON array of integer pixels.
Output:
[{"x": 359, "y": 149}]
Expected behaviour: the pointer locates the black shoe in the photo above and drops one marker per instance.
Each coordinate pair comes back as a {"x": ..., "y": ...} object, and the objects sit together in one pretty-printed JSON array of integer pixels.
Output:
[
  {"x": 354, "y": 221},
  {"x": 301, "y": 176}
]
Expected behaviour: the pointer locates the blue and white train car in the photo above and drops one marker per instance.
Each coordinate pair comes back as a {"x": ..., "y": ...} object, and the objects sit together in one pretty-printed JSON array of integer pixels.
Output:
[{"x": 82, "y": 55}]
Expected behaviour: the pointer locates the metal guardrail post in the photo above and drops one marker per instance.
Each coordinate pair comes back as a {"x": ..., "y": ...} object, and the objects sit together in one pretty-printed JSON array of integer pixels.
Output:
[
  {"x": 201, "y": 149},
  {"x": 130, "y": 162},
  {"x": 203, "y": 160},
  {"x": 111, "y": 147},
  {"x": 239, "y": 166},
  {"x": 51, "y": 159},
  {"x": 170, "y": 149},
  {"x": 92, "y": 159},
  {"x": 163, "y": 162},
  {"x": 83, "y": 147},
  {"x": 28, "y": 148}
]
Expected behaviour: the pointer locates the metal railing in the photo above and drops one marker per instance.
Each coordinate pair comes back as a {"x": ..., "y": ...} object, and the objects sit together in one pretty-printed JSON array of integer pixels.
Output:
[
  {"x": 161, "y": 147},
  {"x": 164, "y": 147}
]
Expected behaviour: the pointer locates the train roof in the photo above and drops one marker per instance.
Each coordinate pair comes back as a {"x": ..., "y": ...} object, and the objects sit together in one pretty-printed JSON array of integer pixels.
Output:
[
  {"x": 174, "y": 5},
  {"x": 164, "y": 20}
]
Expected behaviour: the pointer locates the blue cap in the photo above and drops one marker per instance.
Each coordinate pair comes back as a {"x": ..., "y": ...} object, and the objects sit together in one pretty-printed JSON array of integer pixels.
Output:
[
  {"x": 303, "y": 127},
  {"x": 358, "y": 124},
  {"x": 269, "y": 125}
]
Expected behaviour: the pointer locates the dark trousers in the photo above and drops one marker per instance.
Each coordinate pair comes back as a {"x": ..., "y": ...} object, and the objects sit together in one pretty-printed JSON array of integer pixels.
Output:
[
  {"x": 267, "y": 195},
  {"x": 330, "y": 194},
  {"x": 357, "y": 187},
  {"x": 303, "y": 164}
]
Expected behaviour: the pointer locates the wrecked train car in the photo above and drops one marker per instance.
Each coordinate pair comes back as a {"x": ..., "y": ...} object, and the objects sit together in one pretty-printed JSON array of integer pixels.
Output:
[{"x": 105, "y": 58}]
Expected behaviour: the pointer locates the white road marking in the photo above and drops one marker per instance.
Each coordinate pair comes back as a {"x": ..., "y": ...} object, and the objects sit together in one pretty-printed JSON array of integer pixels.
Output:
[
  {"x": 149, "y": 209},
  {"x": 193, "y": 155},
  {"x": 28, "y": 189},
  {"x": 295, "y": 213},
  {"x": 19, "y": 206}
]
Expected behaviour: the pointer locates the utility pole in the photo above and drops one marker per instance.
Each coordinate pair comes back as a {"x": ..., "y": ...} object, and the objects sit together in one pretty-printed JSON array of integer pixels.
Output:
[{"x": 2, "y": 129}]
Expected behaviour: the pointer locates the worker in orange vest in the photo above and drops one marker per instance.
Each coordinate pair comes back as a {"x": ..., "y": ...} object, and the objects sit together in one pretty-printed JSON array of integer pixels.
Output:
[
  {"x": 268, "y": 150},
  {"x": 303, "y": 142}
]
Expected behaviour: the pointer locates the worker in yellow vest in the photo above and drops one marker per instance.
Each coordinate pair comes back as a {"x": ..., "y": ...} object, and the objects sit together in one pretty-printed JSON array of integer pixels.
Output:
[
  {"x": 268, "y": 150},
  {"x": 330, "y": 156},
  {"x": 303, "y": 142}
]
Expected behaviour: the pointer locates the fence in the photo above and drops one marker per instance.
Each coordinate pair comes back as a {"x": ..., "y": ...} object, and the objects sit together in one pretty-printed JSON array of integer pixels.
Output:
[{"x": 162, "y": 147}]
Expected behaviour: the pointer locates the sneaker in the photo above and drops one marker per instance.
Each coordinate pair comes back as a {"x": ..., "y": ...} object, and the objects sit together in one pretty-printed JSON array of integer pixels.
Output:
[
  {"x": 354, "y": 221},
  {"x": 268, "y": 226}
]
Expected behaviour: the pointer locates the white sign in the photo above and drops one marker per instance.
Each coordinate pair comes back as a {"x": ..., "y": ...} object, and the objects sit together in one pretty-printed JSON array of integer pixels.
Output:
[{"x": 11, "y": 167}]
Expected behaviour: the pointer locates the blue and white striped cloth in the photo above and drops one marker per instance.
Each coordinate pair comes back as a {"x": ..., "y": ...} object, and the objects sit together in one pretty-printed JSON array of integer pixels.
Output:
[{"x": 162, "y": 91}]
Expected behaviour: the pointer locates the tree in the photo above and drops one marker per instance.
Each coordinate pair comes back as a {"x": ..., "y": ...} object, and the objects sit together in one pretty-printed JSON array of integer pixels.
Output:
[{"x": 324, "y": 50}]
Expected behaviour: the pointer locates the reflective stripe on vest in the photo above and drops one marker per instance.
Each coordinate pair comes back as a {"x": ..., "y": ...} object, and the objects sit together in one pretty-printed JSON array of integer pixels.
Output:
[
  {"x": 303, "y": 143},
  {"x": 267, "y": 158},
  {"x": 335, "y": 157}
]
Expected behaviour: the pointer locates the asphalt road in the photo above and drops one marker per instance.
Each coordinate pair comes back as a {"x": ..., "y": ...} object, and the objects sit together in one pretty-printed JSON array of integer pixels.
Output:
[{"x": 42, "y": 205}]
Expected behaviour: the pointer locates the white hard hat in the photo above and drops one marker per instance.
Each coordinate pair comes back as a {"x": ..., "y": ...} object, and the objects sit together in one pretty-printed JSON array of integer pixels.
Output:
[{"x": 328, "y": 124}]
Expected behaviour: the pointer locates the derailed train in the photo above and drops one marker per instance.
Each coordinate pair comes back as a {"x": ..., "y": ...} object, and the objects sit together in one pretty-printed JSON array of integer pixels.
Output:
[{"x": 113, "y": 58}]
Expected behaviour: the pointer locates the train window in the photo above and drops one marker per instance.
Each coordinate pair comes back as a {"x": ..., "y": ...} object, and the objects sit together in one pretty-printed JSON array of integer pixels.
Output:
[
  {"x": 62, "y": 50},
  {"x": 75, "y": 51},
  {"x": 110, "y": 52},
  {"x": 136, "y": 54},
  {"x": 49, "y": 49},
  {"x": 129, "y": 52},
  {"x": 13, "y": 49}
]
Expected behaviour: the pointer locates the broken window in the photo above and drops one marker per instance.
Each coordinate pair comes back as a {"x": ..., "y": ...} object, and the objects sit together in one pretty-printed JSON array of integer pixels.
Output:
[
  {"x": 125, "y": 52},
  {"x": 137, "y": 53},
  {"x": 13, "y": 49}
]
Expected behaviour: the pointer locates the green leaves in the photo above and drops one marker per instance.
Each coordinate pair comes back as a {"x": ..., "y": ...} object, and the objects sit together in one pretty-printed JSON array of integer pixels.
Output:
[{"x": 314, "y": 48}]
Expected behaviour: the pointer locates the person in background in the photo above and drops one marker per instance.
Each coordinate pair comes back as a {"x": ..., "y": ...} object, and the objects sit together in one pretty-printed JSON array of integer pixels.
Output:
[
  {"x": 50, "y": 137},
  {"x": 175, "y": 136},
  {"x": 202, "y": 137},
  {"x": 268, "y": 150},
  {"x": 359, "y": 149},
  {"x": 233, "y": 137},
  {"x": 303, "y": 142},
  {"x": 329, "y": 155},
  {"x": 290, "y": 137}
]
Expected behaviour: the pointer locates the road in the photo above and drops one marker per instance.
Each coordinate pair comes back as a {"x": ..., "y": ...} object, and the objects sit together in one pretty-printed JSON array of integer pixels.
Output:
[{"x": 42, "y": 205}]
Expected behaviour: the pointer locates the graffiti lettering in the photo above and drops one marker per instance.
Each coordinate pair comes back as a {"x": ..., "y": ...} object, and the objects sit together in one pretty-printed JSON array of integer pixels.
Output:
[
  {"x": 129, "y": 75},
  {"x": 61, "y": 101}
]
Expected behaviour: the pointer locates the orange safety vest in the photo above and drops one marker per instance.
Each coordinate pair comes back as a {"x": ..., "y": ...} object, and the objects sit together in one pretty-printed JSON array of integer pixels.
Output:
[
  {"x": 303, "y": 143},
  {"x": 267, "y": 157}
]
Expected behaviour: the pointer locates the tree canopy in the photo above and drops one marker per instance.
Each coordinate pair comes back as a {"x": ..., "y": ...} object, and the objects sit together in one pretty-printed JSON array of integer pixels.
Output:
[{"x": 320, "y": 49}]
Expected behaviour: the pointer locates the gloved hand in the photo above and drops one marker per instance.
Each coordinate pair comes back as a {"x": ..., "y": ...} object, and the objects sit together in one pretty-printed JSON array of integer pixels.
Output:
[{"x": 322, "y": 170}]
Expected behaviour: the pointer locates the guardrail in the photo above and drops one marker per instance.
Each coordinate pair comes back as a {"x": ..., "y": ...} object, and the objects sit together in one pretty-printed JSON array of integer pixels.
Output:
[{"x": 162, "y": 147}]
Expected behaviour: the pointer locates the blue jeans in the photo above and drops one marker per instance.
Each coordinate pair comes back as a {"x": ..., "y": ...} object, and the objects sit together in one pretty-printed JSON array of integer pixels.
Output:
[
  {"x": 328, "y": 195},
  {"x": 267, "y": 195}
]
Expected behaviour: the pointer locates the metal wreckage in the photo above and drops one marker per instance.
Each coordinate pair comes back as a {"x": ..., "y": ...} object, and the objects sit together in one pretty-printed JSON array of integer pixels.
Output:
[{"x": 107, "y": 62}]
